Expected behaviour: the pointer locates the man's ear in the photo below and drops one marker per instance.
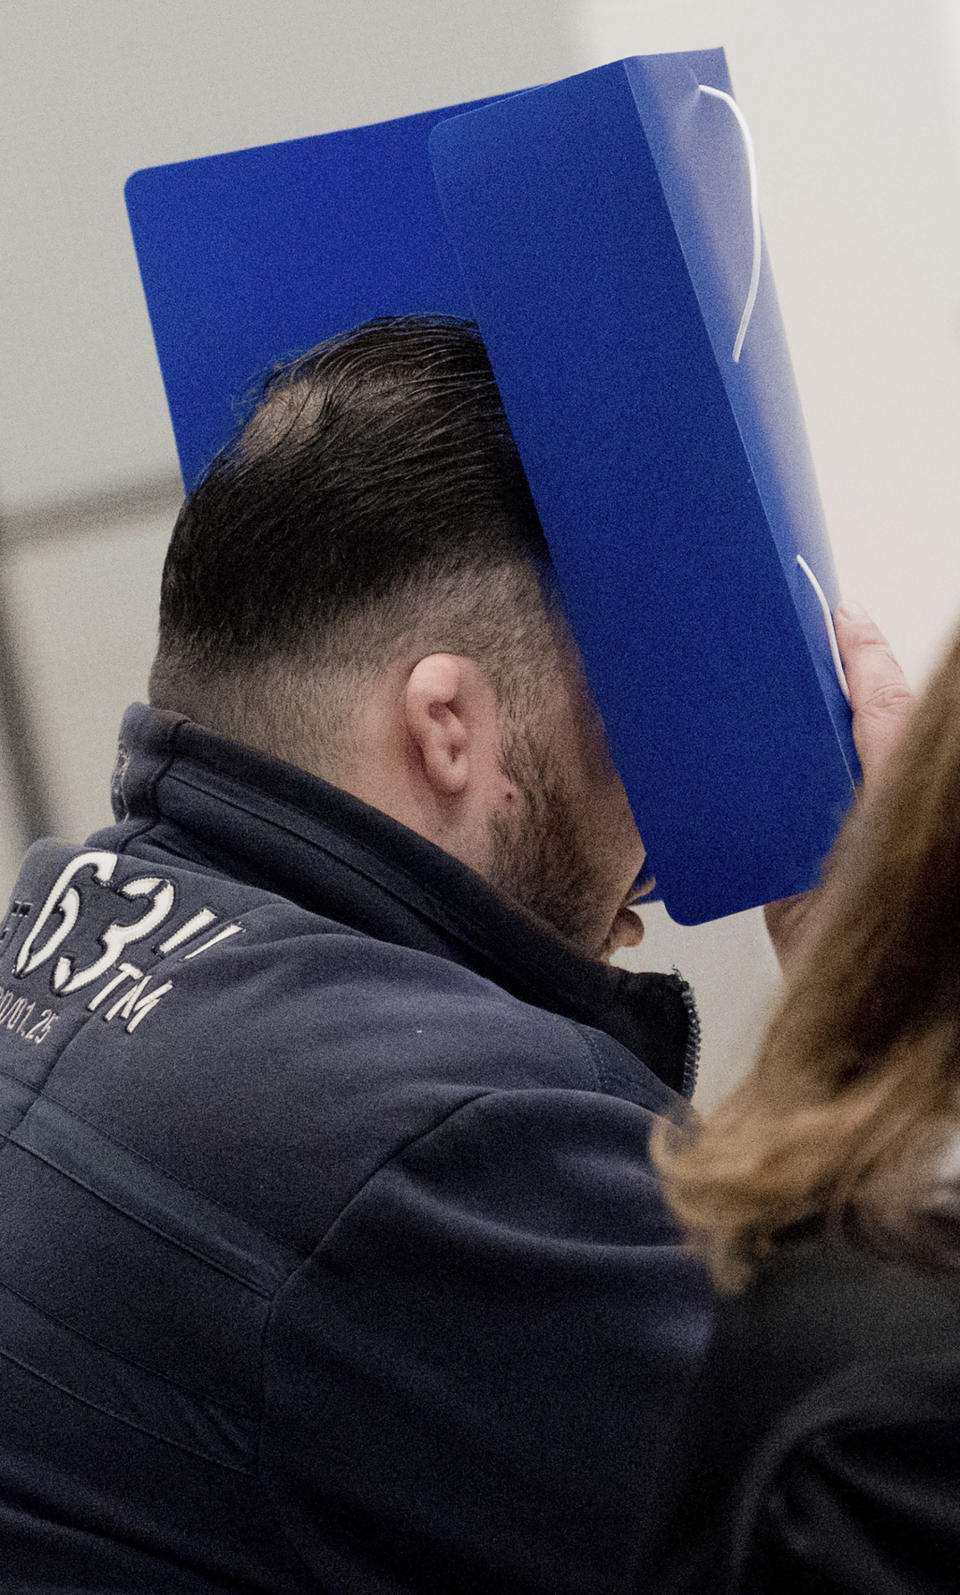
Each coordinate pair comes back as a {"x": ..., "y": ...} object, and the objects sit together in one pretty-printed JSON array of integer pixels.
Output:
[{"x": 450, "y": 711}]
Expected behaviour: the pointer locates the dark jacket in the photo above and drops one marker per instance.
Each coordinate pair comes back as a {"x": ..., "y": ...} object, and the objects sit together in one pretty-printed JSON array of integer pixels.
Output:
[
  {"x": 330, "y": 1255},
  {"x": 820, "y": 1450}
]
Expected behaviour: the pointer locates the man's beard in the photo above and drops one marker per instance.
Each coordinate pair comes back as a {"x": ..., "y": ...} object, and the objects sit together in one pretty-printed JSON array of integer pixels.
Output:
[{"x": 539, "y": 857}]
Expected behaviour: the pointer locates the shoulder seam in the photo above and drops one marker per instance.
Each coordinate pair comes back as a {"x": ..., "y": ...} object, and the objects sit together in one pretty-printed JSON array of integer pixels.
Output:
[
  {"x": 589, "y": 1047},
  {"x": 606, "y": 1077},
  {"x": 392, "y": 1156}
]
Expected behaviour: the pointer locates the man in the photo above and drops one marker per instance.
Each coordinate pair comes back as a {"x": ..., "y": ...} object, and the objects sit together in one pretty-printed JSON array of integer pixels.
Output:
[{"x": 330, "y": 1257}]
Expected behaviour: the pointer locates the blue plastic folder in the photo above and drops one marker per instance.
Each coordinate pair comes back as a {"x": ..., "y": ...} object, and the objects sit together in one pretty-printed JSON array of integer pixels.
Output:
[{"x": 603, "y": 233}]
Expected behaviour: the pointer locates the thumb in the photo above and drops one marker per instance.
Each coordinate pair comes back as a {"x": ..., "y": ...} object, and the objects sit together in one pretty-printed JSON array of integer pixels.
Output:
[{"x": 879, "y": 694}]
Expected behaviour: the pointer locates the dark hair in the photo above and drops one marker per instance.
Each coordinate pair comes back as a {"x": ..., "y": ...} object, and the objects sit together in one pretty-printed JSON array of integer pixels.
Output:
[
  {"x": 374, "y": 493},
  {"x": 855, "y": 1094}
]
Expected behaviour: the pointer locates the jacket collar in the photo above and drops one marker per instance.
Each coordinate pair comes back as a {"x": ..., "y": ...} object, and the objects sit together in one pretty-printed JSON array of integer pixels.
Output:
[{"x": 275, "y": 826}]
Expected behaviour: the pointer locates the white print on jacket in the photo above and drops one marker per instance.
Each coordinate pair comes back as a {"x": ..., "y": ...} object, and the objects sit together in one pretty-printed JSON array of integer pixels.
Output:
[{"x": 139, "y": 998}]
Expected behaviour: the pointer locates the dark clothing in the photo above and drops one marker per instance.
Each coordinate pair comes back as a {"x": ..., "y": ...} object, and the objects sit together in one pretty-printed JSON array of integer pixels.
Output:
[
  {"x": 330, "y": 1255},
  {"x": 821, "y": 1445}
]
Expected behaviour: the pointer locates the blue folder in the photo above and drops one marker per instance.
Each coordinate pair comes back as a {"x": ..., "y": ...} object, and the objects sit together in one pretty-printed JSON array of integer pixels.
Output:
[{"x": 602, "y": 231}]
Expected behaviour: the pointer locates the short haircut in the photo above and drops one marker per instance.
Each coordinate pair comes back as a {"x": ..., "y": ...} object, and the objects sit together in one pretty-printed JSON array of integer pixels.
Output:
[{"x": 373, "y": 500}]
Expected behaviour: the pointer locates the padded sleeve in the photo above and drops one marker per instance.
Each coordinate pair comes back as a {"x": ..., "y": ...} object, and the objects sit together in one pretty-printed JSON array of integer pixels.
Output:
[{"x": 481, "y": 1354}]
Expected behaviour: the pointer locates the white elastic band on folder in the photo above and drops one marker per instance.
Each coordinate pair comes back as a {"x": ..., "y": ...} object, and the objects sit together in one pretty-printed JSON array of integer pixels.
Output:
[
  {"x": 828, "y": 621},
  {"x": 718, "y": 94}
]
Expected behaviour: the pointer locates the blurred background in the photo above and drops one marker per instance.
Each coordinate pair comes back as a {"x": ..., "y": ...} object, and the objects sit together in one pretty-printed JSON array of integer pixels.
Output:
[{"x": 854, "y": 107}]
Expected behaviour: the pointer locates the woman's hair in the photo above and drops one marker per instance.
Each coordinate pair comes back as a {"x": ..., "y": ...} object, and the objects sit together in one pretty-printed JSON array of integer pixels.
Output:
[{"x": 856, "y": 1089}]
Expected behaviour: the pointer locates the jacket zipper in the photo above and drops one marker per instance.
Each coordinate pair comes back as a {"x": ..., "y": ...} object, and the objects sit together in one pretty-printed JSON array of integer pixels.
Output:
[{"x": 691, "y": 1056}]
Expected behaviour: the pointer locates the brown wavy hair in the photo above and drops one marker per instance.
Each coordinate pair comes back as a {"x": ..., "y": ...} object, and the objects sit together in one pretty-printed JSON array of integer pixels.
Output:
[{"x": 855, "y": 1092}]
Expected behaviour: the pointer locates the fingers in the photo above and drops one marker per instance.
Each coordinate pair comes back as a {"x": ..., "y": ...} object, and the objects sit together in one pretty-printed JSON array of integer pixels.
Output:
[
  {"x": 786, "y": 922},
  {"x": 879, "y": 693},
  {"x": 881, "y": 701}
]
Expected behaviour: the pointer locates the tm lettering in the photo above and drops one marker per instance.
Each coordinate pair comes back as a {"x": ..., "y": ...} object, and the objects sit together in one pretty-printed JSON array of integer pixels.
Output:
[{"x": 127, "y": 990}]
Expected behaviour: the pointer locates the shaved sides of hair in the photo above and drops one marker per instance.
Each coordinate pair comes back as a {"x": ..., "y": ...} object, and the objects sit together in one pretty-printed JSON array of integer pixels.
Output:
[{"x": 373, "y": 505}]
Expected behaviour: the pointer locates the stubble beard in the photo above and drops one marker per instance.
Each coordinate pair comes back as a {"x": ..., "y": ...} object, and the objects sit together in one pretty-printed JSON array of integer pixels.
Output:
[{"x": 539, "y": 857}]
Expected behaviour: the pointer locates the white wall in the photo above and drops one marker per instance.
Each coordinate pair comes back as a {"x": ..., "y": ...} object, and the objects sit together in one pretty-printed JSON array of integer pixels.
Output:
[
  {"x": 853, "y": 106},
  {"x": 854, "y": 110},
  {"x": 94, "y": 89},
  {"x": 86, "y": 608}
]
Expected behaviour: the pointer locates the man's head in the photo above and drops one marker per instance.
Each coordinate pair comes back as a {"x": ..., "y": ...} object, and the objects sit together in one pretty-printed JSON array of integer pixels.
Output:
[{"x": 360, "y": 585}]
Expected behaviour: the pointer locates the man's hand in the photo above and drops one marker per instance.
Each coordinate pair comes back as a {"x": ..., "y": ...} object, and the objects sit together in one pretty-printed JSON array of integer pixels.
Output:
[{"x": 881, "y": 701}]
